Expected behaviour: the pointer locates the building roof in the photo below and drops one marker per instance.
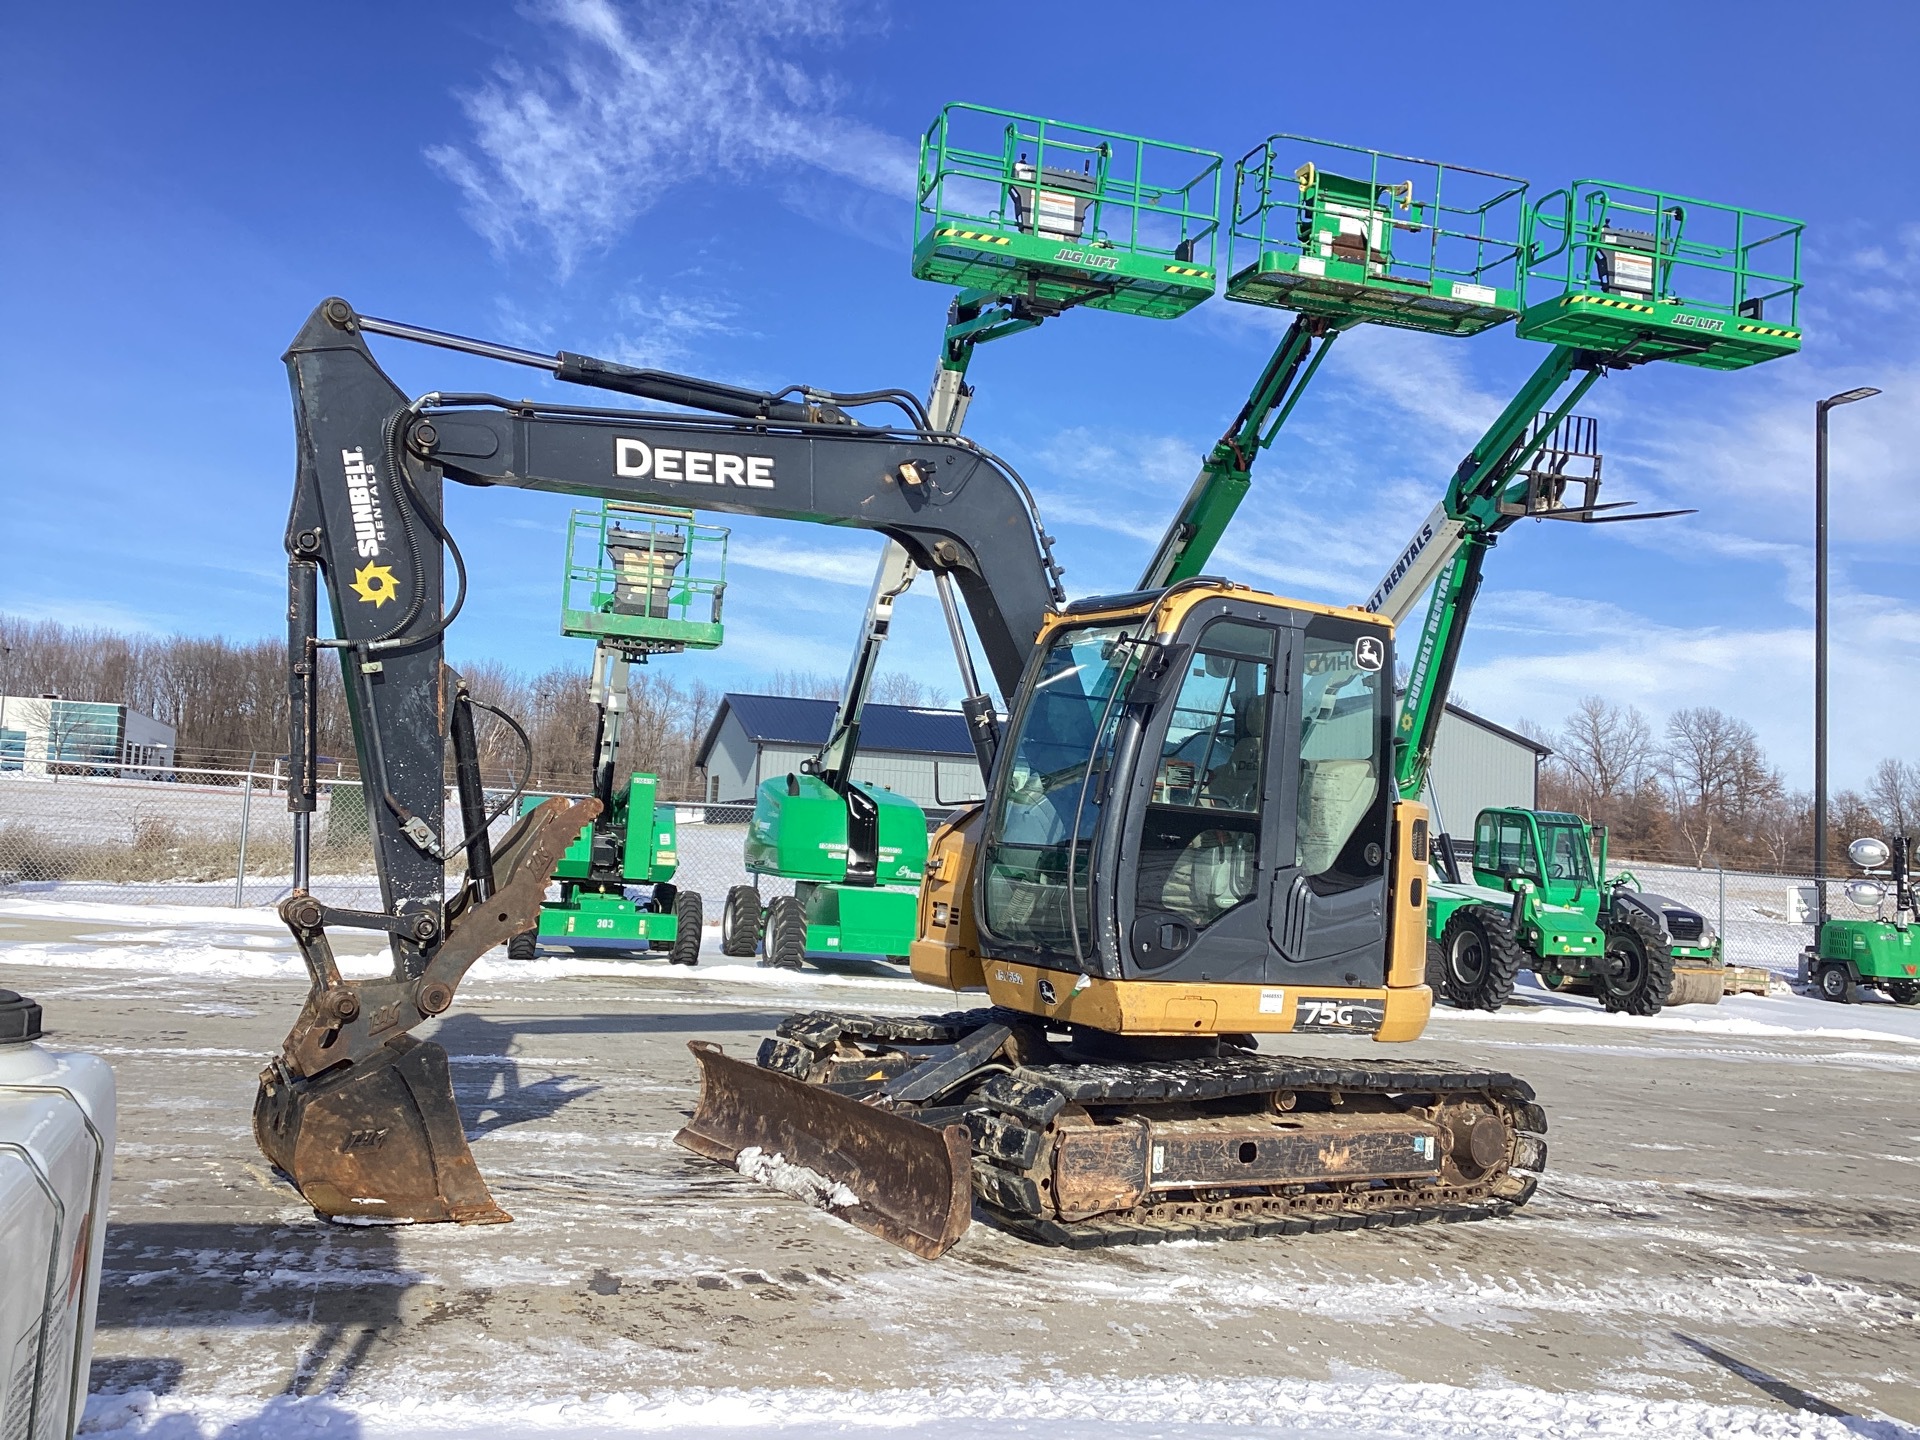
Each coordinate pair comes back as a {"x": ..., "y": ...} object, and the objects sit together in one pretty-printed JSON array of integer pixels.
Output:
[
  {"x": 791, "y": 720},
  {"x": 1514, "y": 735}
]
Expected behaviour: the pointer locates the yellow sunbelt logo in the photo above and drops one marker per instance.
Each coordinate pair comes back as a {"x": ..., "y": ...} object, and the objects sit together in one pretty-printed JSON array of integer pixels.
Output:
[{"x": 374, "y": 584}]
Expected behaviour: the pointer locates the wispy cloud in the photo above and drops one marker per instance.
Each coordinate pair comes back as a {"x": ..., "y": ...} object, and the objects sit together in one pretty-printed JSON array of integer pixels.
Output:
[
  {"x": 851, "y": 566},
  {"x": 637, "y": 99}
]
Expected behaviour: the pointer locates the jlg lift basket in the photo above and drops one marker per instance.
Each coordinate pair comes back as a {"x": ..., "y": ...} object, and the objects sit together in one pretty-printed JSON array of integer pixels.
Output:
[
  {"x": 1644, "y": 275},
  {"x": 649, "y": 579},
  {"x": 1355, "y": 235},
  {"x": 1062, "y": 215}
]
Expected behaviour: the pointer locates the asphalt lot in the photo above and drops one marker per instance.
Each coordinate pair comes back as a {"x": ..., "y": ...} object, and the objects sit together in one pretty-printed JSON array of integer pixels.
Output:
[{"x": 1730, "y": 1214}]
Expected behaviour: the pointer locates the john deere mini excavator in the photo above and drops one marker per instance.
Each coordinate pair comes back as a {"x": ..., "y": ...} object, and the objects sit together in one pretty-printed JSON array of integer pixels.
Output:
[
  {"x": 1192, "y": 836},
  {"x": 1030, "y": 218}
]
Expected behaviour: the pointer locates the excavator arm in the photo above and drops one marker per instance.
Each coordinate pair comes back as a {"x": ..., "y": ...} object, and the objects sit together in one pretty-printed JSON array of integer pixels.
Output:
[{"x": 359, "y": 1113}]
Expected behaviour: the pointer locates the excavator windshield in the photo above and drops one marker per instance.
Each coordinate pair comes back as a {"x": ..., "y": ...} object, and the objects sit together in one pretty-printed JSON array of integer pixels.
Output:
[{"x": 1058, "y": 754}]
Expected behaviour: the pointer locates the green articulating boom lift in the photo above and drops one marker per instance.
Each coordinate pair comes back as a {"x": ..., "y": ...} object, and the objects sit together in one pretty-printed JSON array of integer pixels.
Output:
[
  {"x": 641, "y": 580},
  {"x": 1342, "y": 236},
  {"x": 1849, "y": 954},
  {"x": 1030, "y": 218},
  {"x": 1614, "y": 277}
]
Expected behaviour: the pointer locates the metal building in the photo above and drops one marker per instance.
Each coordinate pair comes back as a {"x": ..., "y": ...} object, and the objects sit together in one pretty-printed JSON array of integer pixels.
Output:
[
  {"x": 923, "y": 754},
  {"x": 1478, "y": 765},
  {"x": 43, "y": 734}
]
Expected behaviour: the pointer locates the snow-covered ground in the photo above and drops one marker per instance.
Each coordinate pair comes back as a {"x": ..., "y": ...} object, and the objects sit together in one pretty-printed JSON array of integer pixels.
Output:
[
  {"x": 1181, "y": 1408},
  {"x": 1726, "y": 1245}
]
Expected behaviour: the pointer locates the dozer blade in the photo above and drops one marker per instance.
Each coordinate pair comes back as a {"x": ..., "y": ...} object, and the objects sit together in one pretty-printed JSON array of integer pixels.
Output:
[
  {"x": 377, "y": 1140},
  {"x": 1697, "y": 985},
  {"x": 908, "y": 1183}
]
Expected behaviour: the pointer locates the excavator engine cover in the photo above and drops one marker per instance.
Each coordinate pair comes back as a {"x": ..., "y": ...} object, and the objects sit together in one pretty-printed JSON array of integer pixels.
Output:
[
  {"x": 376, "y": 1140},
  {"x": 907, "y": 1182}
]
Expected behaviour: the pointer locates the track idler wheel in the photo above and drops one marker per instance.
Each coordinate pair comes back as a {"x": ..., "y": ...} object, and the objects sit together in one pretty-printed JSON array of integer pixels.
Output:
[{"x": 378, "y": 1140}]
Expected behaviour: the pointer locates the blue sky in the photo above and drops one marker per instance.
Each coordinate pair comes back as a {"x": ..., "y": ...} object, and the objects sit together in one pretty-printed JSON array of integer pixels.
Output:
[{"x": 725, "y": 188}]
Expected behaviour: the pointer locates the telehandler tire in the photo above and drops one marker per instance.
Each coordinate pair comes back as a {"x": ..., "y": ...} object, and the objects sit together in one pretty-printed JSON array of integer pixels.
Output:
[
  {"x": 1436, "y": 968},
  {"x": 786, "y": 934},
  {"x": 1637, "y": 977},
  {"x": 740, "y": 922},
  {"x": 524, "y": 946},
  {"x": 1480, "y": 959},
  {"x": 689, "y": 918},
  {"x": 1904, "y": 992}
]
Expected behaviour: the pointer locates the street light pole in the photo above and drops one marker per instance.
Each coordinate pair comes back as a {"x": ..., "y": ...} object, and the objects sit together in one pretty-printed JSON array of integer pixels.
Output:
[{"x": 1820, "y": 409}]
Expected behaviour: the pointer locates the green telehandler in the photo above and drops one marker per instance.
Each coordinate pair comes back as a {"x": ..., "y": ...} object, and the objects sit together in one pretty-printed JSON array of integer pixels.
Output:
[
  {"x": 1564, "y": 917},
  {"x": 1614, "y": 277}
]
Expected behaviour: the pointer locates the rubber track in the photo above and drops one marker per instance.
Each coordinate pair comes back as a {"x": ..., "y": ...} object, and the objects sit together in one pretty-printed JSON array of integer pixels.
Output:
[
  {"x": 1229, "y": 1075},
  {"x": 1107, "y": 1233}
]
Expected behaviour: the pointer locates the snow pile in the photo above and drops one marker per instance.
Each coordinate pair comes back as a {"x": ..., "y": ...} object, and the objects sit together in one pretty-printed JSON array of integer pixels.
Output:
[
  {"x": 1103, "y": 1408},
  {"x": 795, "y": 1180}
]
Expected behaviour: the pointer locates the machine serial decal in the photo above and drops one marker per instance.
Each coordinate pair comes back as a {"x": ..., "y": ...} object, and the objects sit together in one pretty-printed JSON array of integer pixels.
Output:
[
  {"x": 1009, "y": 977},
  {"x": 635, "y": 460},
  {"x": 1315, "y": 1012},
  {"x": 374, "y": 584},
  {"x": 363, "y": 497}
]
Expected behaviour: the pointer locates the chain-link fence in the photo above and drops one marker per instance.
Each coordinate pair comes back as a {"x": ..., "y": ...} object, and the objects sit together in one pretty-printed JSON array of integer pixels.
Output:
[
  {"x": 1765, "y": 919},
  {"x": 223, "y": 837}
]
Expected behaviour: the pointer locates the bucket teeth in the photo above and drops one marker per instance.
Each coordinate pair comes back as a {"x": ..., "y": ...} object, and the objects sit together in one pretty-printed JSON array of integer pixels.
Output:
[
  {"x": 378, "y": 1140},
  {"x": 907, "y": 1182}
]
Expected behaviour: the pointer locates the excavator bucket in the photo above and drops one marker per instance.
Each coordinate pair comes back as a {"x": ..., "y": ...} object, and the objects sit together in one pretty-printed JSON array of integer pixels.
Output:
[
  {"x": 1697, "y": 985},
  {"x": 376, "y": 1140},
  {"x": 894, "y": 1177}
]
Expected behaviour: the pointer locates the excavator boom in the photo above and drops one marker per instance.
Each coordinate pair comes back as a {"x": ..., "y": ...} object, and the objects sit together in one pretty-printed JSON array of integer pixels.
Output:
[{"x": 355, "y": 1109}]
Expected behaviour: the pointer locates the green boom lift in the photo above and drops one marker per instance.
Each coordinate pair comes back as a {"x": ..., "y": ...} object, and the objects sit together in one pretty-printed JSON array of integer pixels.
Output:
[
  {"x": 1343, "y": 236},
  {"x": 1030, "y": 218},
  {"x": 1614, "y": 277},
  {"x": 641, "y": 580}
]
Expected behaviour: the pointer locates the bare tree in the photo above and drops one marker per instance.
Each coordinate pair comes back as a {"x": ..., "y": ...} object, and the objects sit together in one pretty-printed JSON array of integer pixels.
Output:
[
  {"x": 1893, "y": 790},
  {"x": 1604, "y": 753},
  {"x": 805, "y": 684},
  {"x": 896, "y": 687},
  {"x": 1715, "y": 775}
]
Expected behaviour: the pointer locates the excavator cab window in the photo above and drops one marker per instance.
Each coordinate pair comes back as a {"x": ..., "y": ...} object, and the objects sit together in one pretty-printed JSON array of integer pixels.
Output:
[
  {"x": 1200, "y": 840},
  {"x": 1343, "y": 751},
  {"x": 1057, "y": 759}
]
